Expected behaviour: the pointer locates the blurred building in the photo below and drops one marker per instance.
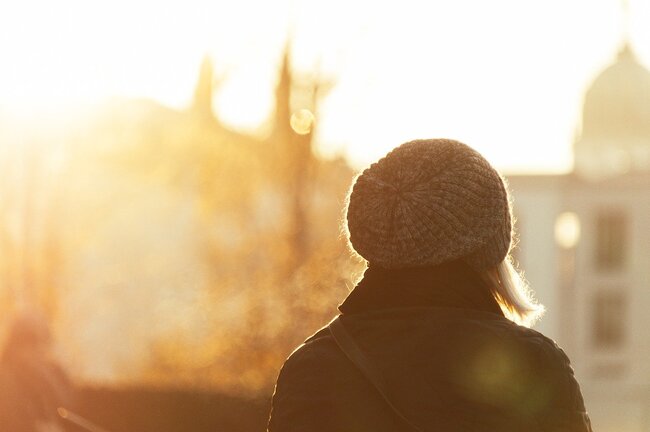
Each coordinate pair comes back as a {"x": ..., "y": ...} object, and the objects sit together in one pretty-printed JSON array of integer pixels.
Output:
[
  {"x": 586, "y": 247},
  {"x": 168, "y": 247}
]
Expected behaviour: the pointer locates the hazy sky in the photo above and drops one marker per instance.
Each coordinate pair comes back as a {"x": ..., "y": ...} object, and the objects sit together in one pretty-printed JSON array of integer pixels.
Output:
[{"x": 505, "y": 76}]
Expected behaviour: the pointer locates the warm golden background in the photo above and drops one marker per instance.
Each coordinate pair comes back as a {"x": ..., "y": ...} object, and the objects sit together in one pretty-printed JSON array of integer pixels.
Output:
[{"x": 173, "y": 173}]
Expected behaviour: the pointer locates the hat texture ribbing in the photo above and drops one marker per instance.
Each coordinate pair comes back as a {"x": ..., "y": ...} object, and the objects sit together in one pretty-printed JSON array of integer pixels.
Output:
[{"x": 427, "y": 202}]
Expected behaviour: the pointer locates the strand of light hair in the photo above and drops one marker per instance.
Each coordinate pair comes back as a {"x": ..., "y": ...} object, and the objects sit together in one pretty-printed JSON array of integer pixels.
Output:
[{"x": 514, "y": 294}]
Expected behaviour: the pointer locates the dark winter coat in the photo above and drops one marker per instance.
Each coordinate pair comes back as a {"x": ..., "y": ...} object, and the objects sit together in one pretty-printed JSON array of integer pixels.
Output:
[{"x": 449, "y": 358}]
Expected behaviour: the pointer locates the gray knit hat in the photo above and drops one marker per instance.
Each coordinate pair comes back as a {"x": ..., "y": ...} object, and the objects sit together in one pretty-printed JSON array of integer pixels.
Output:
[{"x": 427, "y": 202}]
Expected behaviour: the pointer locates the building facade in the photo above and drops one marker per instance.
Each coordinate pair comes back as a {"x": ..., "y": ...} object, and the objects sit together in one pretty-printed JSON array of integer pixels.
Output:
[{"x": 586, "y": 247}]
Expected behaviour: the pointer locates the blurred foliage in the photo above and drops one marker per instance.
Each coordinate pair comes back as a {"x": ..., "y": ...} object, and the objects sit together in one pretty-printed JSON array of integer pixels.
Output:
[{"x": 205, "y": 253}]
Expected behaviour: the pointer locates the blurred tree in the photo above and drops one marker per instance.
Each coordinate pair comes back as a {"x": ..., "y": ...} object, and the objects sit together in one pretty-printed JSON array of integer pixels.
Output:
[
  {"x": 211, "y": 251},
  {"x": 270, "y": 210}
]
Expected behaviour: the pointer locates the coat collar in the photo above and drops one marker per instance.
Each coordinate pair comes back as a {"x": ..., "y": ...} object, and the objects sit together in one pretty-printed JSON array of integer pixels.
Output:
[{"x": 453, "y": 285}]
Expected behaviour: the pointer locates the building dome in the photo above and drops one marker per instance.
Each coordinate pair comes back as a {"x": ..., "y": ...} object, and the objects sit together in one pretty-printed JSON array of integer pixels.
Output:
[
  {"x": 616, "y": 118},
  {"x": 618, "y": 102}
]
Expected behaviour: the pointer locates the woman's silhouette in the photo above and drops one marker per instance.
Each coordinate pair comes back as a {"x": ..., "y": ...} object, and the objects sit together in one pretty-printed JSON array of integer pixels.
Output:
[{"x": 435, "y": 336}]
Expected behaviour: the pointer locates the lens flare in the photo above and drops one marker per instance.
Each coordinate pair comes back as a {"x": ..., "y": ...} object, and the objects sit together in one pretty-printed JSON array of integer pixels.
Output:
[{"x": 302, "y": 121}]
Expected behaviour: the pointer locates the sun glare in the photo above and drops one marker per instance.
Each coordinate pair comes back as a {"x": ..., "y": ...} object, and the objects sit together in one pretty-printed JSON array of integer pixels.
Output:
[
  {"x": 520, "y": 110},
  {"x": 73, "y": 53}
]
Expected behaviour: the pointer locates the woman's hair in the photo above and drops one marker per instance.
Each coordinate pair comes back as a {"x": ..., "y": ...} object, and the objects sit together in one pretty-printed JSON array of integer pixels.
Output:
[{"x": 513, "y": 293}]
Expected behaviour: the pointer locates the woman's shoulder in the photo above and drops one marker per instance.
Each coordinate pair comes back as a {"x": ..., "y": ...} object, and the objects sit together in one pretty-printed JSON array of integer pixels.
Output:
[
  {"x": 310, "y": 377},
  {"x": 533, "y": 340},
  {"x": 491, "y": 328},
  {"x": 551, "y": 367},
  {"x": 318, "y": 351},
  {"x": 319, "y": 348},
  {"x": 543, "y": 350}
]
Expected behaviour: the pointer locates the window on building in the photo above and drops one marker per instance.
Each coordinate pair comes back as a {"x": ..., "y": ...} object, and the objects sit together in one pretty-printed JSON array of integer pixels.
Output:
[
  {"x": 608, "y": 314},
  {"x": 611, "y": 240}
]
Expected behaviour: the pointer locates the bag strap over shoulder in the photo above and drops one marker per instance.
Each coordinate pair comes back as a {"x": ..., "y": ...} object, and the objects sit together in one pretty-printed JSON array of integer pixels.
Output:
[{"x": 352, "y": 351}]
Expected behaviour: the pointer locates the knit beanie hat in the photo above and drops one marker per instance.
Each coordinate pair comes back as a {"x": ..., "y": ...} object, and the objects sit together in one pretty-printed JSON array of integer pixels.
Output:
[{"x": 428, "y": 202}]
